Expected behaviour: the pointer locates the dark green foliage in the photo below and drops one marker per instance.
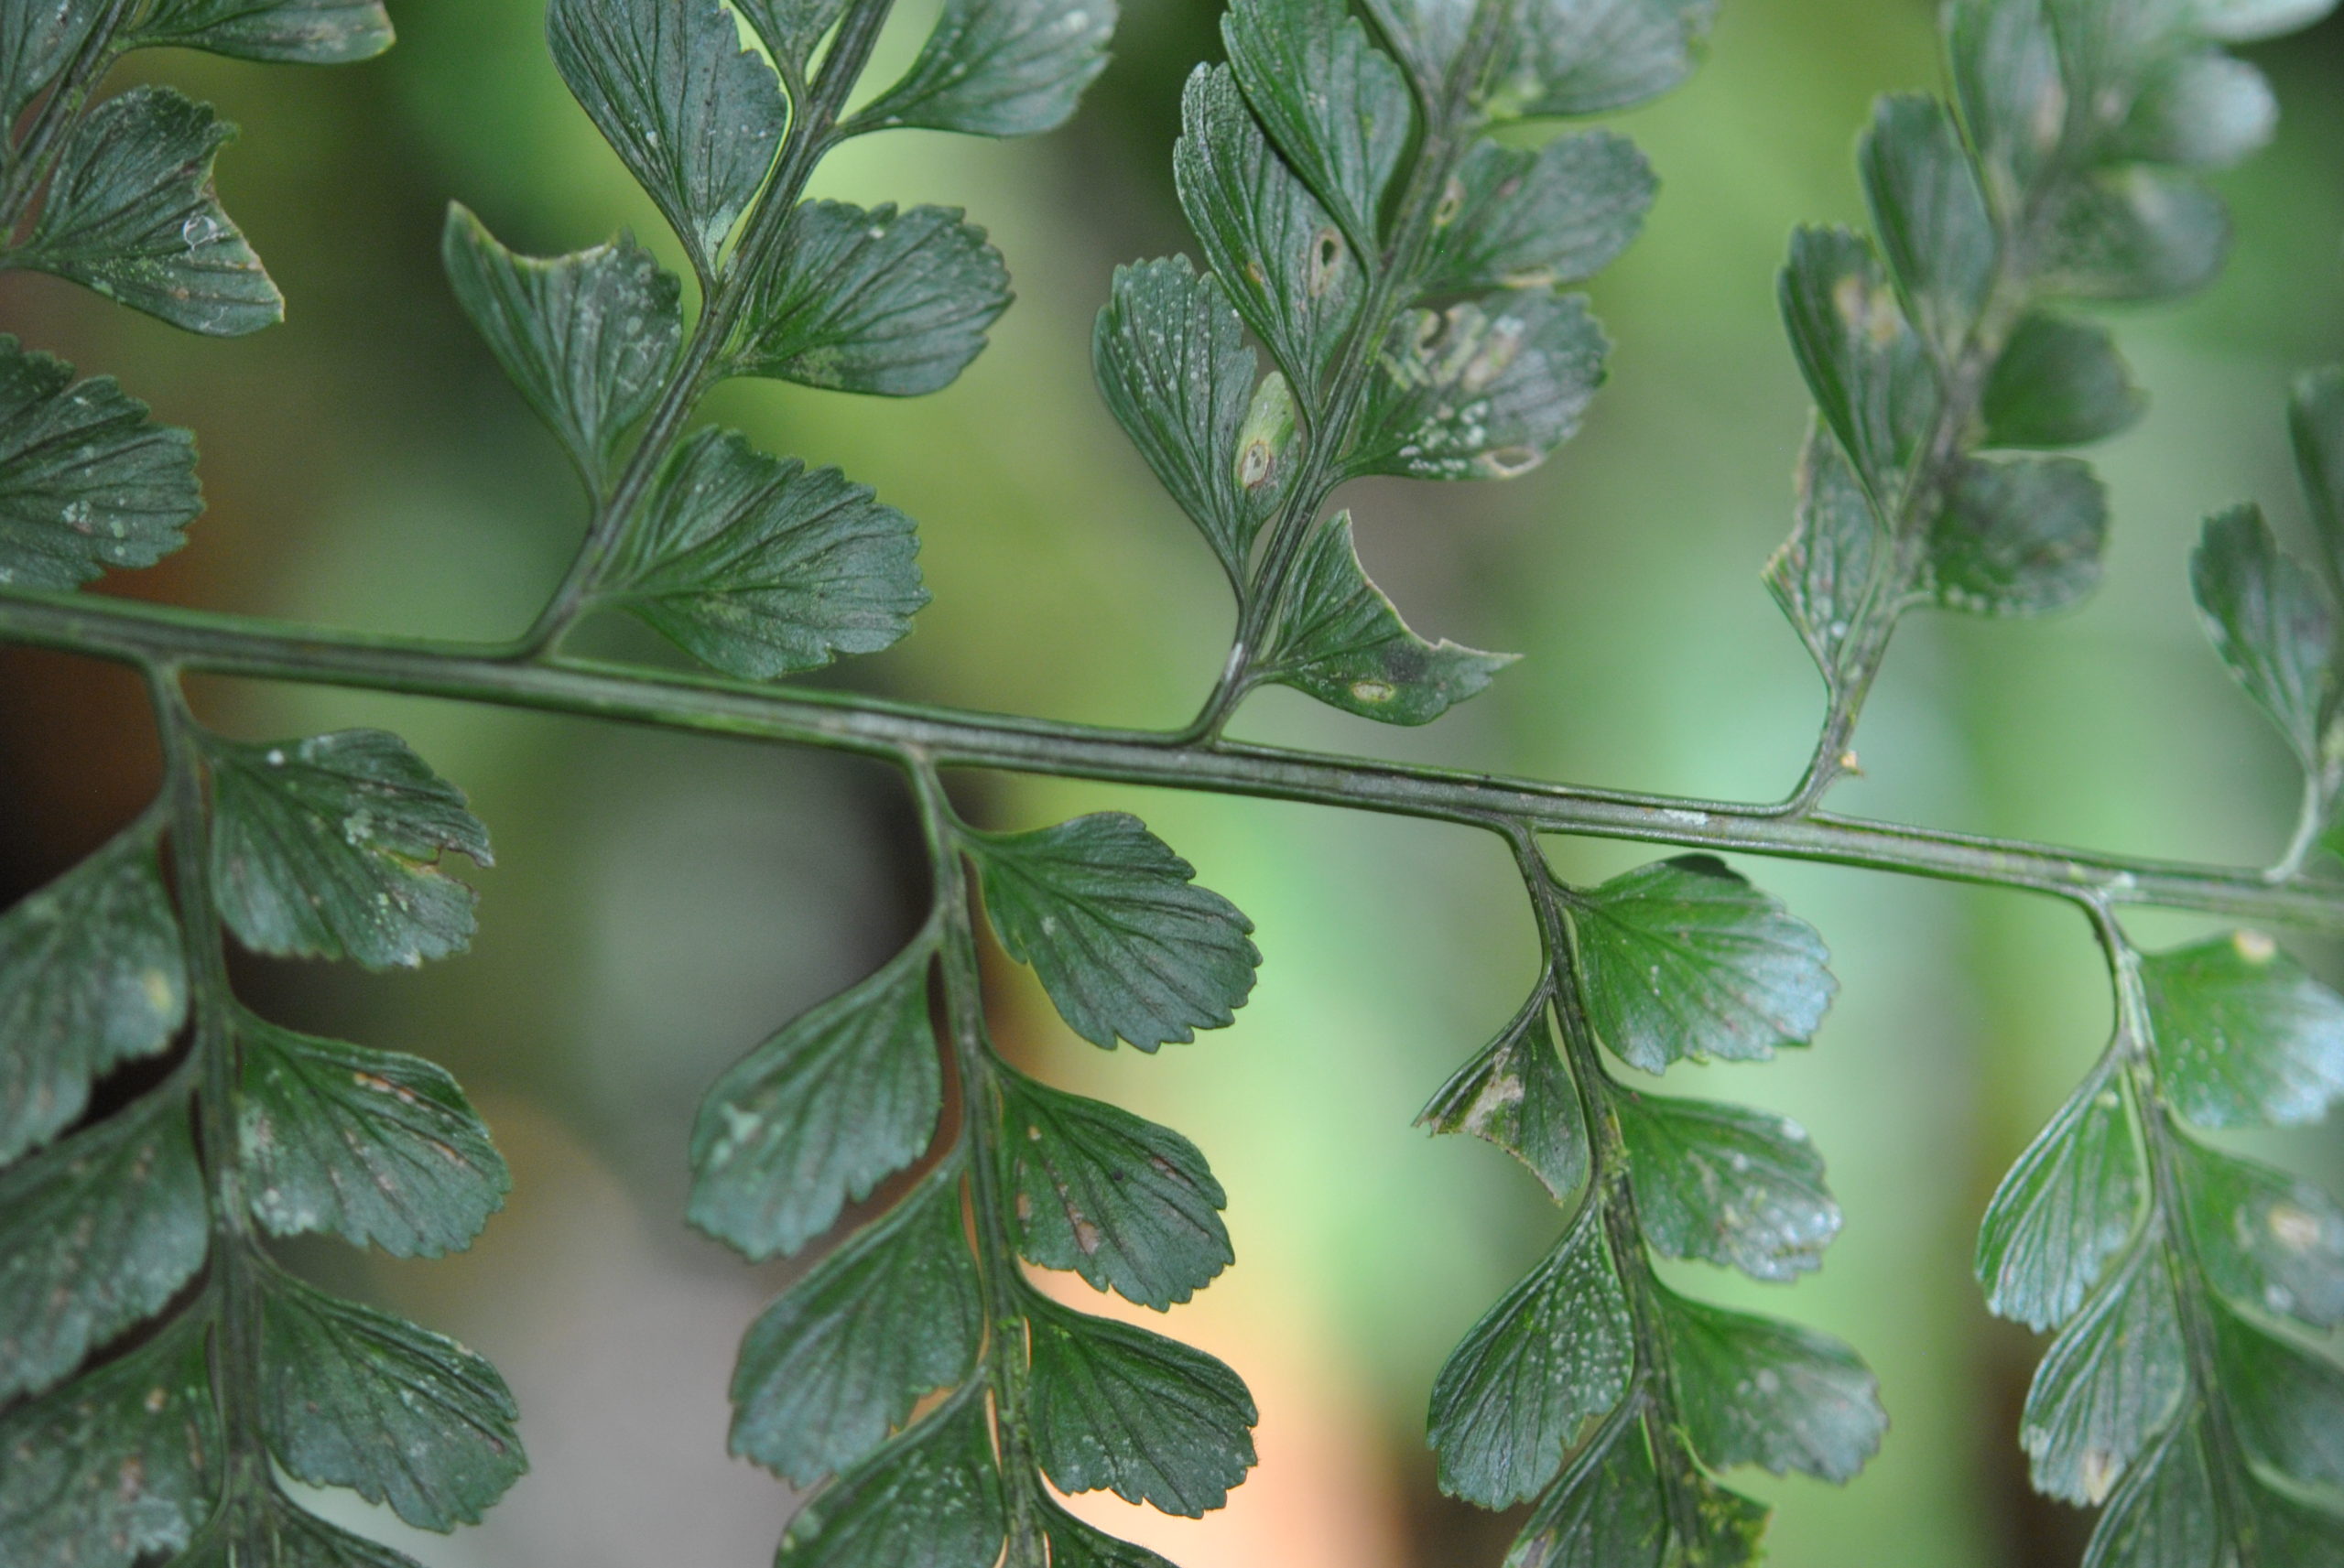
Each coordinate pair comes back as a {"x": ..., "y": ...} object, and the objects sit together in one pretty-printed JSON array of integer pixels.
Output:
[
  {"x": 1739, "y": 1188},
  {"x": 1822, "y": 576},
  {"x": 2059, "y": 383},
  {"x": 930, "y": 1500},
  {"x": 328, "y": 847},
  {"x": 2245, "y": 1038},
  {"x": 1335, "y": 106},
  {"x": 1126, "y": 943},
  {"x": 1519, "y": 219},
  {"x": 306, "y": 32},
  {"x": 1517, "y": 1095},
  {"x": 2018, "y": 536},
  {"x": 998, "y": 68},
  {"x": 1753, "y": 1390},
  {"x": 1481, "y": 390},
  {"x": 2065, "y": 1207}
]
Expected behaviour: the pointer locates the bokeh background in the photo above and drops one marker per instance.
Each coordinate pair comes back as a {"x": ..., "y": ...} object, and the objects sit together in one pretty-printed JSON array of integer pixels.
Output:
[{"x": 661, "y": 904}]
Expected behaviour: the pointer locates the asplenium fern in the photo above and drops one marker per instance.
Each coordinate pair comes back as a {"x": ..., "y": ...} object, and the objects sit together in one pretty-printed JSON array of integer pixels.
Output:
[{"x": 162, "y": 1374}]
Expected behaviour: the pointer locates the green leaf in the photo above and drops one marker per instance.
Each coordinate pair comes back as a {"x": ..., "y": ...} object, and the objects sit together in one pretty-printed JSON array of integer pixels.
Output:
[
  {"x": 819, "y": 1115},
  {"x": 696, "y": 117},
  {"x": 1115, "y": 1406},
  {"x": 116, "y": 1465},
  {"x": 2162, "y": 1515},
  {"x": 1583, "y": 57},
  {"x": 844, "y": 1356},
  {"x": 353, "y": 1397},
  {"x": 2286, "y": 1396},
  {"x": 264, "y": 1525},
  {"x": 1865, "y": 366},
  {"x": 791, "y": 29},
  {"x": 375, "y": 1146},
  {"x": 1516, "y": 1095},
  {"x": 87, "y": 481},
  {"x": 885, "y": 302},
  {"x": 1481, "y": 390},
  {"x": 1514, "y": 218},
  {"x": 1129, "y": 1205},
  {"x": 96, "y": 1234},
  {"x": 1609, "y": 1511},
  {"x": 2069, "y": 1205},
  {"x": 1684, "y": 960},
  {"x": 1284, "y": 259},
  {"x": 1171, "y": 361},
  {"x": 2112, "y": 1382},
  {"x": 761, "y": 566},
  {"x": 2298, "y": 1532},
  {"x": 326, "y": 847},
  {"x": 2263, "y": 1236},
  {"x": 999, "y": 67},
  {"x": 1751, "y": 1390},
  {"x": 2005, "y": 67},
  {"x": 131, "y": 213},
  {"x": 2203, "y": 108},
  {"x": 2273, "y": 624},
  {"x": 306, "y": 32},
  {"x": 91, "y": 974},
  {"x": 1737, "y": 1188},
  {"x": 1343, "y": 641},
  {"x": 1333, "y": 104},
  {"x": 1074, "y": 1544},
  {"x": 2249, "y": 21},
  {"x": 1931, "y": 216},
  {"x": 588, "y": 338},
  {"x": 2244, "y": 1036},
  {"x": 2133, "y": 234},
  {"x": 931, "y": 1498},
  {"x": 37, "y": 42},
  {"x": 1124, "y": 942},
  {"x": 1821, "y": 575},
  {"x": 2018, "y": 536},
  {"x": 2315, "y": 420},
  {"x": 2059, "y": 383},
  {"x": 1518, "y": 1392}
]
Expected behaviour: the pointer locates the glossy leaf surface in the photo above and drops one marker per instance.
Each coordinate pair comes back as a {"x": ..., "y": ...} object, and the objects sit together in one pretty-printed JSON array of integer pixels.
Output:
[{"x": 87, "y": 480}]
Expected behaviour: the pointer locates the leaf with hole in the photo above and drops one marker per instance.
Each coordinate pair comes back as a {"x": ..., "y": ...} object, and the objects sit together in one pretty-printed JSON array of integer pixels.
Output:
[
  {"x": 879, "y": 301},
  {"x": 588, "y": 338},
  {"x": 1343, "y": 641},
  {"x": 372, "y": 1145},
  {"x": 91, "y": 974},
  {"x": 131, "y": 213},
  {"x": 1119, "y": 934},
  {"x": 328, "y": 847},
  {"x": 760, "y": 567}
]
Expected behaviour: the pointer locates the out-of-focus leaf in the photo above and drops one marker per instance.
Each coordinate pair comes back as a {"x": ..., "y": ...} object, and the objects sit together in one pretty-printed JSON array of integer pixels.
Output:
[
  {"x": 327, "y": 848},
  {"x": 2059, "y": 383},
  {"x": 2069, "y": 1205},
  {"x": 1333, "y": 104},
  {"x": 2018, "y": 536},
  {"x": 2263, "y": 1236},
  {"x": 131, "y": 214},
  {"x": 1115, "y": 1406},
  {"x": 1864, "y": 364},
  {"x": 265, "y": 1526},
  {"x": 2005, "y": 67},
  {"x": 1608, "y": 1512},
  {"x": 816, "y": 1117},
  {"x": 1583, "y": 57},
  {"x": 1343, "y": 641},
  {"x": 1516, "y": 1095},
  {"x": 586, "y": 338},
  {"x": 91, "y": 973},
  {"x": 999, "y": 67},
  {"x": 1738, "y": 1187},
  {"x": 2162, "y": 1514},
  {"x": 1480, "y": 390},
  {"x": 2285, "y": 1395},
  {"x": 1519, "y": 1390},
  {"x": 114, "y": 1465},
  {"x": 87, "y": 481},
  {"x": 841, "y": 1358},
  {"x": 306, "y": 32},
  {"x": 931, "y": 1498},
  {"x": 1284, "y": 259},
  {"x": 1118, "y": 933},
  {"x": 1171, "y": 361},
  {"x": 2133, "y": 234},
  {"x": 2272, "y": 625},
  {"x": 1684, "y": 960},
  {"x": 1129, "y": 1205},
  {"x": 2316, "y": 419},
  {"x": 1074, "y": 1544},
  {"x": 1931, "y": 216},
  {"x": 2204, "y": 108},
  {"x": 374, "y": 1145},
  {"x": 696, "y": 117},
  {"x": 2249, "y": 21},
  {"x": 1520, "y": 218},
  {"x": 761, "y": 566},
  {"x": 2112, "y": 1382},
  {"x": 1751, "y": 1390},
  {"x": 878, "y": 301},
  {"x": 2245, "y": 1037},
  {"x": 97, "y": 1233},
  {"x": 353, "y": 1397},
  {"x": 1821, "y": 576}
]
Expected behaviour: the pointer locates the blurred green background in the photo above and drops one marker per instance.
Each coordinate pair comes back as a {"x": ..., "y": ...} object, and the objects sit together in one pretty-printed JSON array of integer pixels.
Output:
[{"x": 661, "y": 904}]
